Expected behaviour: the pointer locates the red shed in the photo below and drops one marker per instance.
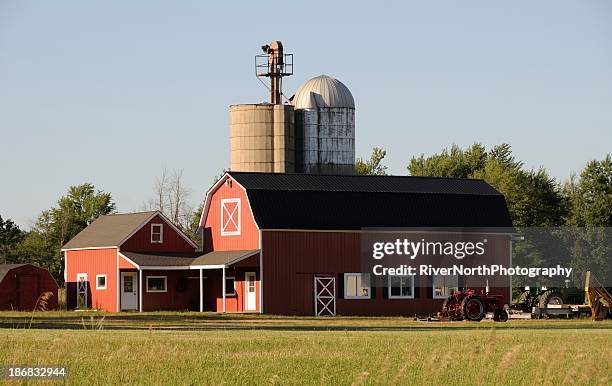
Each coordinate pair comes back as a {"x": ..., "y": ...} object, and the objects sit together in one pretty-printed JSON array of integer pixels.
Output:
[{"x": 22, "y": 284}]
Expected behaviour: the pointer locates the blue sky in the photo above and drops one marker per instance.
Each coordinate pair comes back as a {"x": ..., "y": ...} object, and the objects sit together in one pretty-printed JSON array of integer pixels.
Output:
[{"x": 110, "y": 92}]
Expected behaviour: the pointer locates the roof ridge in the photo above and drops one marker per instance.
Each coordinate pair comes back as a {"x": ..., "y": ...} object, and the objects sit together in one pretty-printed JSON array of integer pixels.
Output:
[
  {"x": 497, "y": 193},
  {"x": 131, "y": 213},
  {"x": 358, "y": 175}
]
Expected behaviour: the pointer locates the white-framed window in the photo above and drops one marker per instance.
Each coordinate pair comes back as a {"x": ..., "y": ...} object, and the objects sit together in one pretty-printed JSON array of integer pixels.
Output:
[
  {"x": 230, "y": 286},
  {"x": 157, "y": 284},
  {"x": 100, "y": 282},
  {"x": 157, "y": 233},
  {"x": 401, "y": 287},
  {"x": 230, "y": 217},
  {"x": 445, "y": 286},
  {"x": 357, "y": 286}
]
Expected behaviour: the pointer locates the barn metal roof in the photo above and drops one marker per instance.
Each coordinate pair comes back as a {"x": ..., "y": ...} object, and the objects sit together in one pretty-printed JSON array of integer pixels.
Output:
[
  {"x": 360, "y": 183},
  {"x": 5, "y": 268},
  {"x": 338, "y": 202},
  {"x": 323, "y": 91}
]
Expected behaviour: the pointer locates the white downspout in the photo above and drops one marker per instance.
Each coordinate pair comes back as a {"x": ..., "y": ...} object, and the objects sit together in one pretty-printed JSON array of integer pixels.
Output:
[
  {"x": 140, "y": 290},
  {"x": 201, "y": 290},
  {"x": 223, "y": 288}
]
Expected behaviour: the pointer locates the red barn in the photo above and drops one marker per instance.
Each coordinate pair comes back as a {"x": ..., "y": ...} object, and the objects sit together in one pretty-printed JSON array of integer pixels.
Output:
[
  {"x": 281, "y": 244},
  {"x": 21, "y": 285}
]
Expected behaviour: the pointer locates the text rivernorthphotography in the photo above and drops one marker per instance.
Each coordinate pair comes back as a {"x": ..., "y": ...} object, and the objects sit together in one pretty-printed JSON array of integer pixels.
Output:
[{"x": 481, "y": 270}]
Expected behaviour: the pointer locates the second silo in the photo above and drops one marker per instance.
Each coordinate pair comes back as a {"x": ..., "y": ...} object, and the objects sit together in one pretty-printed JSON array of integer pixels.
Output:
[{"x": 325, "y": 127}]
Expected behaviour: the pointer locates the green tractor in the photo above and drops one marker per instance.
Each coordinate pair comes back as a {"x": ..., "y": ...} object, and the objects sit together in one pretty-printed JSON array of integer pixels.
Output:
[{"x": 541, "y": 296}]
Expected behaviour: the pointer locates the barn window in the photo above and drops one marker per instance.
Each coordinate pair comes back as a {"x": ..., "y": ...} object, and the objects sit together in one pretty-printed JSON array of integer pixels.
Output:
[
  {"x": 445, "y": 286},
  {"x": 100, "y": 282},
  {"x": 157, "y": 233},
  {"x": 156, "y": 283},
  {"x": 401, "y": 287},
  {"x": 230, "y": 286},
  {"x": 357, "y": 286},
  {"x": 230, "y": 217}
]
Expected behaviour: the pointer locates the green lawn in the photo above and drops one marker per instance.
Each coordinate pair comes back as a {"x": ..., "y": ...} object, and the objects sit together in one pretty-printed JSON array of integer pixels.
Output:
[{"x": 191, "y": 348}]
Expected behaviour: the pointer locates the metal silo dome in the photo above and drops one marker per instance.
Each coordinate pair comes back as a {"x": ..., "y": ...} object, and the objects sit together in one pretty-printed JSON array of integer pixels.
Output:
[
  {"x": 324, "y": 127},
  {"x": 323, "y": 91}
]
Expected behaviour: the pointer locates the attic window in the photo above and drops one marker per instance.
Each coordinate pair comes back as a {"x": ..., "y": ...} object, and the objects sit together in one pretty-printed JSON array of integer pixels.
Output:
[{"x": 157, "y": 233}]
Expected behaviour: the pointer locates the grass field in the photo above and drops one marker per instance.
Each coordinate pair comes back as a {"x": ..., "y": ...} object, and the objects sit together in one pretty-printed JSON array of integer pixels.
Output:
[{"x": 191, "y": 348}]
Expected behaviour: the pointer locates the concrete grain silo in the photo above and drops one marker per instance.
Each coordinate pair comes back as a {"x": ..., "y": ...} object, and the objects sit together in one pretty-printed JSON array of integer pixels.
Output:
[
  {"x": 262, "y": 138},
  {"x": 324, "y": 127}
]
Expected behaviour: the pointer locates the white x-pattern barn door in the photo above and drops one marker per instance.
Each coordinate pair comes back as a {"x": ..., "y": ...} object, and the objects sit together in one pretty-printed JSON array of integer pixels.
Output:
[
  {"x": 82, "y": 289},
  {"x": 230, "y": 217},
  {"x": 325, "y": 295}
]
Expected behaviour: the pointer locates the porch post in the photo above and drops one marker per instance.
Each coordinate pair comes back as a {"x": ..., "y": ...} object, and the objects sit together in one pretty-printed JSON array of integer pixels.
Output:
[
  {"x": 201, "y": 290},
  {"x": 140, "y": 290},
  {"x": 223, "y": 288}
]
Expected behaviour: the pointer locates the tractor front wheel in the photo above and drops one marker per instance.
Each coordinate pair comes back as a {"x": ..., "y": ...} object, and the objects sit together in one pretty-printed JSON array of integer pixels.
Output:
[
  {"x": 472, "y": 309},
  {"x": 500, "y": 316}
]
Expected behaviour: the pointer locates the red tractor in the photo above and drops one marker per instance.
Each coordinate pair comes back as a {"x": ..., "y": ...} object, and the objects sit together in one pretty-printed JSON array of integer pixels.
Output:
[{"x": 471, "y": 305}]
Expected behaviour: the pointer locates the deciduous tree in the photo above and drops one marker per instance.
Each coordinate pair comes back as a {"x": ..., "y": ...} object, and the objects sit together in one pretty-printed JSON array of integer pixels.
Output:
[{"x": 374, "y": 165}]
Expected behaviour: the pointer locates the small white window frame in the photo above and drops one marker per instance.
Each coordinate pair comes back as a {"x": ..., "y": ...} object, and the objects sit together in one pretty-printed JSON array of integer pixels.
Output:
[
  {"x": 233, "y": 293},
  {"x": 98, "y": 286},
  {"x": 347, "y": 275},
  {"x": 157, "y": 277},
  {"x": 400, "y": 296},
  {"x": 161, "y": 233},
  {"x": 433, "y": 287},
  {"x": 225, "y": 221}
]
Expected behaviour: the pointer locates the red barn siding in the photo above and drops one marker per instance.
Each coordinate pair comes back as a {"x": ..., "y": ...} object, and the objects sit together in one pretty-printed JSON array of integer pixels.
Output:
[
  {"x": 93, "y": 262},
  {"x": 124, "y": 264},
  {"x": 172, "y": 240},
  {"x": 291, "y": 260},
  {"x": 182, "y": 291},
  {"x": 249, "y": 233},
  {"x": 233, "y": 303},
  {"x": 21, "y": 287}
]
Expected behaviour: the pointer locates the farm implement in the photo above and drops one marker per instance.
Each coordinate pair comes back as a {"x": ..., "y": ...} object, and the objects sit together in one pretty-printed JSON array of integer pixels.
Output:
[{"x": 545, "y": 302}]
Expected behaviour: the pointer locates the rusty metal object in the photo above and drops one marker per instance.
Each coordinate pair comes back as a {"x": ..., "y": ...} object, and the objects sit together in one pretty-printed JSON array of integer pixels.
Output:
[{"x": 277, "y": 65}]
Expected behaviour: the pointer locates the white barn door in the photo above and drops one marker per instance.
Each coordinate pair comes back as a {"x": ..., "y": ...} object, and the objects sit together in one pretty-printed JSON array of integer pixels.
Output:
[{"x": 325, "y": 295}]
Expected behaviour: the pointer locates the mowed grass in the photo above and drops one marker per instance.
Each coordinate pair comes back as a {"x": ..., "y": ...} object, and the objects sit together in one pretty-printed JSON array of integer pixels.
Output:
[{"x": 240, "y": 349}]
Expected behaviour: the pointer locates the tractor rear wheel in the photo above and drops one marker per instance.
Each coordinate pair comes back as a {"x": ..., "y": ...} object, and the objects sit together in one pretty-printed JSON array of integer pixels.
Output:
[
  {"x": 551, "y": 297},
  {"x": 472, "y": 309}
]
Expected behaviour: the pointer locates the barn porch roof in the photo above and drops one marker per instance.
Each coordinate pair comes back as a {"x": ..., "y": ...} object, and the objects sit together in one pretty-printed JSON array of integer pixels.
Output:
[{"x": 215, "y": 259}]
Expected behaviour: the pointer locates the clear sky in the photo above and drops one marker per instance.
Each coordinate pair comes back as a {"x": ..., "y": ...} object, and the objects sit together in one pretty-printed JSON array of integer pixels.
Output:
[{"x": 109, "y": 92}]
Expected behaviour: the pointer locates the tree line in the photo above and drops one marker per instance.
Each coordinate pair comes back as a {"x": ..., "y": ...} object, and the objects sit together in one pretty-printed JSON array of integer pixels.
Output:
[{"x": 534, "y": 198}]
